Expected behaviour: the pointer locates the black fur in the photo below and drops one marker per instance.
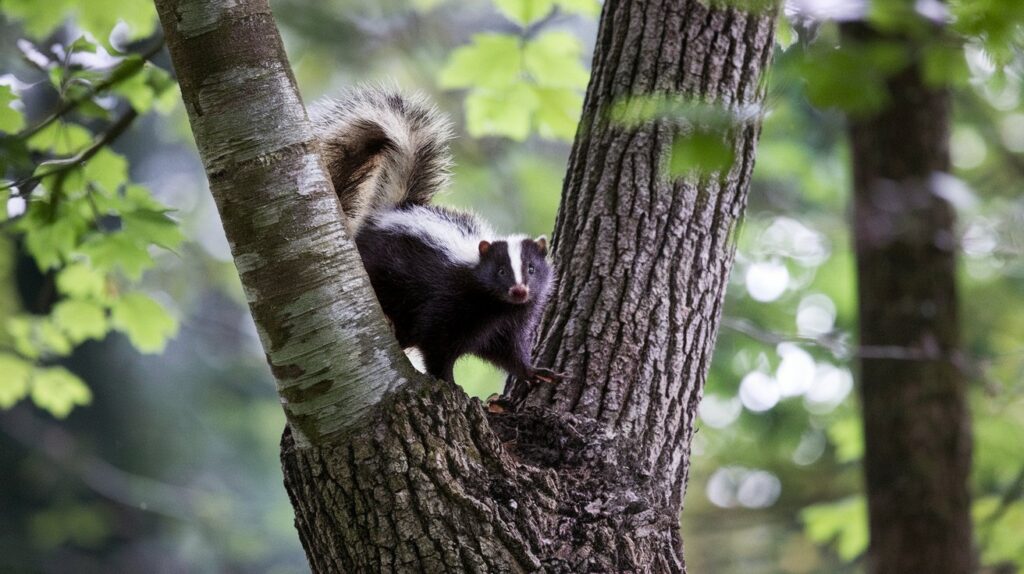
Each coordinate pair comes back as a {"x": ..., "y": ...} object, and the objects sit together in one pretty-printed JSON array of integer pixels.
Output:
[
  {"x": 448, "y": 309},
  {"x": 387, "y": 152}
]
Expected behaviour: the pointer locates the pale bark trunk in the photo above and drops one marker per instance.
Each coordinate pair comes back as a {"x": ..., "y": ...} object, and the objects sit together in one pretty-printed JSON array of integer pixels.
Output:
[
  {"x": 332, "y": 359},
  {"x": 917, "y": 456},
  {"x": 589, "y": 475}
]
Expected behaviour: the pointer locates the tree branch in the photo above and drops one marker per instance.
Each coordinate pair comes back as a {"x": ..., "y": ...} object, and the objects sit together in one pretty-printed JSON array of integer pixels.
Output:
[
  {"x": 60, "y": 166},
  {"x": 119, "y": 75},
  {"x": 103, "y": 478},
  {"x": 324, "y": 334}
]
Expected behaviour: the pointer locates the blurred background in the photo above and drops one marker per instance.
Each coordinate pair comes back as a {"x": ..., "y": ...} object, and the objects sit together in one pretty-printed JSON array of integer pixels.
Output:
[{"x": 167, "y": 461}]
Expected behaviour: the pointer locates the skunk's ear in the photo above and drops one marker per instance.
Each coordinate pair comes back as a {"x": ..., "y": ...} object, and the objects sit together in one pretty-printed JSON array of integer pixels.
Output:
[
  {"x": 485, "y": 246},
  {"x": 542, "y": 242}
]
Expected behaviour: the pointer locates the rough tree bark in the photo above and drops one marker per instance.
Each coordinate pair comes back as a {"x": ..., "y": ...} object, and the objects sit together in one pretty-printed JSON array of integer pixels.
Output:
[
  {"x": 392, "y": 471},
  {"x": 916, "y": 426}
]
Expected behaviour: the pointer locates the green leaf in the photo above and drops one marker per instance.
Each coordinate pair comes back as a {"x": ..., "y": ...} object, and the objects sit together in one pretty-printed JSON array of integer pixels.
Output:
[
  {"x": 852, "y": 78},
  {"x": 19, "y": 329},
  {"x": 81, "y": 281},
  {"x": 847, "y": 436},
  {"x": 100, "y": 17},
  {"x": 58, "y": 390},
  {"x": 167, "y": 101},
  {"x": 107, "y": 169},
  {"x": 82, "y": 44},
  {"x": 553, "y": 60},
  {"x": 52, "y": 339},
  {"x": 36, "y": 20},
  {"x": 15, "y": 380},
  {"x": 57, "y": 179},
  {"x": 51, "y": 243},
  {"x": 583, "y": 7},
  {"x": 137, "y": 92},
  {"x": 490, "y": 61},
  {"x": 61, "y": 138},
  {"x": 89, "y": 108},
  {"x": 138, "y": 197},
  {"x": 995, "y": 24},
  {"x": 559, "y": 111},
  {"x": 11, "y": 119},
  {"x": 80, "y": 320},
  {"x": 117, "y": 250},
  {"x": 165, "y": 89},
  {"x": 147, "y": 324},
  {"x": 785, "y": 36},
  {"x": 426, "y": 5},
  {"x": 36, "y": 337},
  {"x": 501, "y": 113},
  {"x": 700, "y": 151},
  {"x": 524, "y": 12},
  {"x": 999, "y": 529},
  {"x": 845, "y": 522},
  {"x": 944, "y": 65},
  {"x": 152, "y": 227}
]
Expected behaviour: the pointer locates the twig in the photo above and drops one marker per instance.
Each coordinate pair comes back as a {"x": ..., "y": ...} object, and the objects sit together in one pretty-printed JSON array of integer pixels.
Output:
[
  {"x": 118, "y": 485},
  {"x": 60, "y": 166},
  {"x": 1012, "y": 494},
  {"x": 840, "y": 350},
  {"x": 750, "y": 329},
  {"x": 115, "y": 78}
]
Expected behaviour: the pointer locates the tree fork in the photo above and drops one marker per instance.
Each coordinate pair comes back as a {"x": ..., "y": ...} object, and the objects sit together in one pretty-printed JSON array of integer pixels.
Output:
[{"x": 389, "y": 470}]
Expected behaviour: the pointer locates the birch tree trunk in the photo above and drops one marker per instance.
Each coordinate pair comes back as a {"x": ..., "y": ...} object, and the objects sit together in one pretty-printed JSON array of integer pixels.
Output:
[
  {"x": 389, "y": 470},
  {"x": 917, "y": 434}
]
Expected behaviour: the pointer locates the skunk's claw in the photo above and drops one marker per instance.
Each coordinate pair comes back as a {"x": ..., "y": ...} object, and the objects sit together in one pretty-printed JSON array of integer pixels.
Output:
[
  {"x": 498, "y": 404},
  {"x": 546, "y": 376}
]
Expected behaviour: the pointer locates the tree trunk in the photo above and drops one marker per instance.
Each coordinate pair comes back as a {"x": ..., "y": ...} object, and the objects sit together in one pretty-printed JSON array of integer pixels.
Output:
[
  {"x": 916, "y": 426},
  {"x": 332, "y": 359},
  {"x": 392, "y": 471}
]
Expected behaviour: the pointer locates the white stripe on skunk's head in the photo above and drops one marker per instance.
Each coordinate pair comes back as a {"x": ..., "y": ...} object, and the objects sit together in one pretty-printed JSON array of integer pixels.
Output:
[{"x": 513, "y": 269}]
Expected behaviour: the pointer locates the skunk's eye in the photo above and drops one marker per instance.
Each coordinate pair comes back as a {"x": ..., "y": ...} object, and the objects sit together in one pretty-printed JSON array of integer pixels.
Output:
[
  {"x": 501, "y": 271},
  {"x": 530, "y": 270}
]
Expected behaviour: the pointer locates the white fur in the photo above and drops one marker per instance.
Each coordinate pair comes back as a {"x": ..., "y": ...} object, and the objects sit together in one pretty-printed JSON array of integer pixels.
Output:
[
  {"x": 515, "y": 256},
  {"x": 419, "y": 125},
  {"x": 415, "y": 357},
  {"x": 457, "y": 243}
]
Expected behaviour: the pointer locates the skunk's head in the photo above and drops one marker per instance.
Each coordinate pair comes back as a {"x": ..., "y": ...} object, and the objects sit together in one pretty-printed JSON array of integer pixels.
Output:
[{"x": 514, "y": 269}]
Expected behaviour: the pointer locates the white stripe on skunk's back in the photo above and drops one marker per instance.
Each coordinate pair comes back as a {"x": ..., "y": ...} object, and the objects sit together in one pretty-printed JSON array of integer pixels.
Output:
[{"x": 456, "y": 234}]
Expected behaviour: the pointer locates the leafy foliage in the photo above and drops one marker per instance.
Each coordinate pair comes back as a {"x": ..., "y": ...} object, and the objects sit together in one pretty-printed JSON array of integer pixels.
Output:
[
  {"x": 844, "y": 522},
  {"x": 84, "y": 221},
  {"x": 522, "y": 83},
  {"x": 10, "y": 120},
  {"x": 704, "y": 144},
  {"x": 97, "y": 17}
]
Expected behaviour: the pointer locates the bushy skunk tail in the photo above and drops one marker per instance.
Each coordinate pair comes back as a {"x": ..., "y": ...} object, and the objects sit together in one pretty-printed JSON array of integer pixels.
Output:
[{"x": 382, "y": 150}]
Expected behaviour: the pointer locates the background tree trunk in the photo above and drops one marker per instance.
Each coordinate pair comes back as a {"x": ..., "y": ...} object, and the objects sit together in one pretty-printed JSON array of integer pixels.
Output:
[
  {"x": 916, "y": 425},
  {"x": 411, "y": 475}
]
